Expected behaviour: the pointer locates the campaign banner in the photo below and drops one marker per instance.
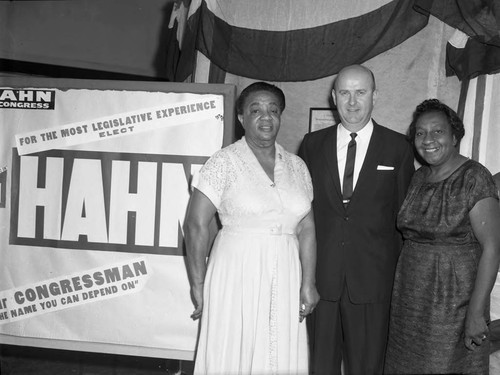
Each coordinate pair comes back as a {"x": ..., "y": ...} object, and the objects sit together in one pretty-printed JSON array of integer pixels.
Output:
[{"x": 94, "y": 186}]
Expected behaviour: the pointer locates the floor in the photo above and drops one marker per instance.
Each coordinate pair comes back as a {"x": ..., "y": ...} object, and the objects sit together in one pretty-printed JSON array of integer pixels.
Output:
[{"x": 18, "y": 360}]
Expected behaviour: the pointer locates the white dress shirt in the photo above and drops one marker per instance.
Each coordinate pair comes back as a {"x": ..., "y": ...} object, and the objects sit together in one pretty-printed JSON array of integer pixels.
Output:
[{"x": 362, "y": 141}]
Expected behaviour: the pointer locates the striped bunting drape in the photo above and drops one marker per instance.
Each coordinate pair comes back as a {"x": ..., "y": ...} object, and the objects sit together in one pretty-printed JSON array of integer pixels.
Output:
[
  {"x": 473, "y": 55},
  {"x": 481, "y": 116},
  {"x": 283, "y": 40}
]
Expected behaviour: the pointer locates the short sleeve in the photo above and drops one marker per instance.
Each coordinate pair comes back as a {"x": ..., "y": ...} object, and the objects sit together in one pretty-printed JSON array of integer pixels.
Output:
[
  {"x": 306, "y": 177},
  {"x": 479, "y": 185},
  {"x": 211, "y": 178}
]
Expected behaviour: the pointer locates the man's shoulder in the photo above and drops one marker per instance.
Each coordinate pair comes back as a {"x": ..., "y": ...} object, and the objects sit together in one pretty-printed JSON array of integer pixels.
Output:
[
  {"x": 389, "y": 134},
  {"x": 321, "y": 134},
  {"x": 387, "y": 131}
]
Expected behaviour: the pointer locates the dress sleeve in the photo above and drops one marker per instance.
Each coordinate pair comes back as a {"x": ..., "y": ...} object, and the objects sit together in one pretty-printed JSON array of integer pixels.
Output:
[
  {"x": 479, "y": 185},
  {"x": 306, "y": 177},
  {"x": 211, "y": 178}
]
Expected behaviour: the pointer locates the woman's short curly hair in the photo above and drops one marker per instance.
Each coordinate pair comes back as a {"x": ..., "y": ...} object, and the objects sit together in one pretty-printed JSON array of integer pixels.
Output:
[
  {"x": 259, "y": 86},
  {"x": 434, "y": 105}
]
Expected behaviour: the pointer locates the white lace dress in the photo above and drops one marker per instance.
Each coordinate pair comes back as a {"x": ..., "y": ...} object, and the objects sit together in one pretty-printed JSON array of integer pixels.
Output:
[{"x": 250, "y": 322}]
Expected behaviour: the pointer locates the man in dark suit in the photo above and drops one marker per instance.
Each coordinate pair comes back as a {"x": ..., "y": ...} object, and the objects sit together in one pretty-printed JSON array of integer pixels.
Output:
[{"x": 360, "y": 181}]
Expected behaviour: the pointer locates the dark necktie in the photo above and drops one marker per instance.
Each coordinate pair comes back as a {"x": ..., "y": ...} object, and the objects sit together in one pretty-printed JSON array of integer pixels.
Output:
[{"x": 349, "y": 170}]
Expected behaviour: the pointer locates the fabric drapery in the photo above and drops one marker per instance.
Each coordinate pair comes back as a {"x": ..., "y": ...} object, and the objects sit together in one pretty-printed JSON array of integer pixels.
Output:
[
  {"x": 474, "y": 58},
  {"x": 294, "y": 41},
  {"x": 481, "y": 116},
  {"x": 476, "y": 18},
  {"x": 480, "y": 21}
]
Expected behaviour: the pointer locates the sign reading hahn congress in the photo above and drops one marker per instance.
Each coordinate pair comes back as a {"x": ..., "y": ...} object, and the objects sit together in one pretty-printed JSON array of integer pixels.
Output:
[{"x": 94, "y": 185}]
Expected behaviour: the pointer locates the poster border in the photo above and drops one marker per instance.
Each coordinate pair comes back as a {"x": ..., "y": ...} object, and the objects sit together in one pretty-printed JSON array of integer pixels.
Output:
[{"x": 228, "y": 91}]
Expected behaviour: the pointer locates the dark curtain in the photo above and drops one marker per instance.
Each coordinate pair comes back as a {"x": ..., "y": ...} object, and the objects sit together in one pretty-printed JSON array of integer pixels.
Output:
[
  {"x": 480, "y": 20},
  {"x": 300, "y": 54}
]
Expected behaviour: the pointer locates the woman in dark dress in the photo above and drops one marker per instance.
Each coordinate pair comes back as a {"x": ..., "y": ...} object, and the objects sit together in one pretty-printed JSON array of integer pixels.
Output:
[{"x": 450, "y": 221}]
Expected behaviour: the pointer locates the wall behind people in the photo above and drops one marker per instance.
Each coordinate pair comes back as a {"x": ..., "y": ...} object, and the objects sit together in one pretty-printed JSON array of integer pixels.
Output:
[
  {"x": 307, "y": 43},
  {"x": 406, "y": 75},
  {"x": 407, "y": 55}
]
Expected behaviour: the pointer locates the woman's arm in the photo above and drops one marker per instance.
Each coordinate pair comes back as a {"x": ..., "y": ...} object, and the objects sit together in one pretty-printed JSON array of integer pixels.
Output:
[
  {"x": 309, "y": 296},
  {"x": 485, "y": 220},
  {"x": 200, "y": 214}
]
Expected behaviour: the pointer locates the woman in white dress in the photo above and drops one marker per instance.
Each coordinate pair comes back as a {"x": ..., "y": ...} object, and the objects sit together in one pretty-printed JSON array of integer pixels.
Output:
[{"x": 259, "y": 283}]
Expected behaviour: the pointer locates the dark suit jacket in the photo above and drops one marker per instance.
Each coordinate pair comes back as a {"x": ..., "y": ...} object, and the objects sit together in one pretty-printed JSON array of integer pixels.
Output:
[{"x": 359, "y": 243}]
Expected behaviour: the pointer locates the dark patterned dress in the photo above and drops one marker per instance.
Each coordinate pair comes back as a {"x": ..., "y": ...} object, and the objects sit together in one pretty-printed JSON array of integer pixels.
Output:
[{"x": 436, "y": 274}]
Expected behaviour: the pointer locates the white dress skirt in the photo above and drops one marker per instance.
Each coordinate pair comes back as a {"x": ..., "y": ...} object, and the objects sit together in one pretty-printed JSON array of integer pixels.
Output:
[{"x": 250, "y": 322}]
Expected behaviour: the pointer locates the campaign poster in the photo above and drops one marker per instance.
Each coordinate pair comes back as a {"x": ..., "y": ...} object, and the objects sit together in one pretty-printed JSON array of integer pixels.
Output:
[{"x": 94, "y": 185}]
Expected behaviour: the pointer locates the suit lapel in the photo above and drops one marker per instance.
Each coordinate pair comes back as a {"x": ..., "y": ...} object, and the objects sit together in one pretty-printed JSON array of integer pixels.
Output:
[{"x": 330, "y": 154}]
